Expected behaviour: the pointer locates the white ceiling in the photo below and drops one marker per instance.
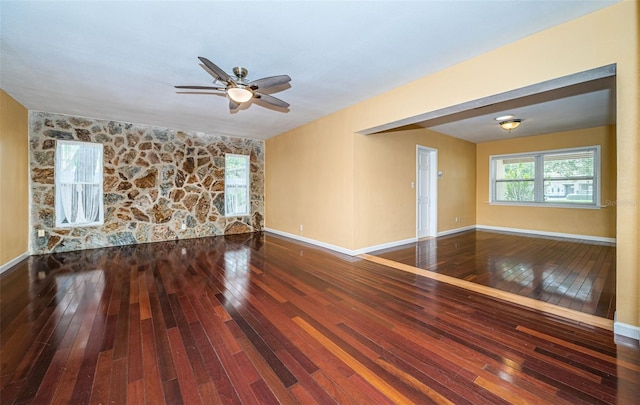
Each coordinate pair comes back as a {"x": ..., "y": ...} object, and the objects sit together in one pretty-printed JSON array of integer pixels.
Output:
[{"x": 120, "y": 60}]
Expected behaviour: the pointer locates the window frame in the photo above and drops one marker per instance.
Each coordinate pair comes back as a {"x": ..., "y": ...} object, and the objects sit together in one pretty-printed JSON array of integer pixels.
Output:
[
  {"x": 247, "y": 159},
  {"x": 57, "y": 184},
  {"x": 539, "y": 180}
]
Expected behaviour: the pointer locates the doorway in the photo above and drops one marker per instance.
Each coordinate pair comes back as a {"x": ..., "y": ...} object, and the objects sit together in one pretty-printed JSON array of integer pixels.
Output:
[{"x": 426, "y": 192}]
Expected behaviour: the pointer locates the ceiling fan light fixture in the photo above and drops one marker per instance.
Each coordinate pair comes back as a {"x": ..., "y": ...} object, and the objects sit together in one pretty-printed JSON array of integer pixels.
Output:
[
  {"x": 239, "y": 94},
  {"x": 238, "y": 90},
  {"x": 509, "y": 125}
]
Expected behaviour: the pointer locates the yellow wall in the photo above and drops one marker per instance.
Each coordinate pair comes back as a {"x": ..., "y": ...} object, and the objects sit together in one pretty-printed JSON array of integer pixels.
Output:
[
  {"x": 14, "y": 179},
  {"x": 385, "y": 203},
  {"x": 309, "y": 181},
  {"x": 312, "y": 181},
  {"x": 608, "y": 36},
  {"x": 598, "y": 222}
]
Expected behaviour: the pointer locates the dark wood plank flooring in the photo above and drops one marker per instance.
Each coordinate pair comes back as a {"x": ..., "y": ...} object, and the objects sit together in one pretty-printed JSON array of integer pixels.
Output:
[
  {"x": 263, "y": 319},
  {"x": 570, "y": 273}
]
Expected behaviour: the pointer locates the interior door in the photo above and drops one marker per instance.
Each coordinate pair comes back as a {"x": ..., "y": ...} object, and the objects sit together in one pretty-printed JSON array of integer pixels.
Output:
[{"x": 424, "y": 197}]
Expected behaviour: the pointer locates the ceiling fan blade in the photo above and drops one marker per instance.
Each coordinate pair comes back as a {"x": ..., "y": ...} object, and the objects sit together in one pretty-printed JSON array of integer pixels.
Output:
[
  {"x": 220, "y": 74},
  {"x": 271, "y": 81},
  {"x": 206, "y": 69},
  {"x": 271, "y": 100},
  {"x": 200, "y": 88}
]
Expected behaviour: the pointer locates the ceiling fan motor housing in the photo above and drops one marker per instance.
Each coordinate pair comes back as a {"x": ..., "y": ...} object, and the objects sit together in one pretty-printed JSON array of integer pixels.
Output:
[{"x": 240, "y": 72}]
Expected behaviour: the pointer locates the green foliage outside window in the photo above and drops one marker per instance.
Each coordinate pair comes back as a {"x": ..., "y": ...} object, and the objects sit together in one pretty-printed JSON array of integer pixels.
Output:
[
  {"x": 519, "y": 190},
  {"x": 562, "y": 177}
]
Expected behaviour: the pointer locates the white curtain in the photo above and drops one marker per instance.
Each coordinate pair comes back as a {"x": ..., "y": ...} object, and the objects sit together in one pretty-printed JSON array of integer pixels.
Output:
[
  {"x": 79, "y": 183},
  {"x": 91, "y": 202},
  {"x": 236, "y": 184},
  {"x": 67, "y": 197}
]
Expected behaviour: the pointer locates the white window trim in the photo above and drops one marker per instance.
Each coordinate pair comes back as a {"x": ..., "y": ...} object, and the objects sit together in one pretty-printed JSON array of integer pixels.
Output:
[
  {"x": 247, "y": 159},
  {"x": 596, "y": 179},
  {"x": 57, "y": 199}
]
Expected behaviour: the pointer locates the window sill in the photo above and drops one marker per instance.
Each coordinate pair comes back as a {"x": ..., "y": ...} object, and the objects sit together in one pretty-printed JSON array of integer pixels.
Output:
[
  {"x": 86, "y": 225},
  {"x": 550, "y": 205}
]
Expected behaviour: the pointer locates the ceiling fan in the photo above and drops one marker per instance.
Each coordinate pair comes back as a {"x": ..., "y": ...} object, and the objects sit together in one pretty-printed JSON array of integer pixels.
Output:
[{"x": 238, "y": 89}]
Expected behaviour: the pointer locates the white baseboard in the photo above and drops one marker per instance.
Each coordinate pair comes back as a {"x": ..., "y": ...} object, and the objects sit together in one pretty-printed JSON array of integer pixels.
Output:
[
  {"x": 544, "y": 233},
  {"x": 624, "y": 329},
  {"x": 311, "y": 241},
  {"x": 456, "y": 230},
  {"x": 384, "y": 246},
  {"x": 340, "y": 249},
  {"x": 388, "y": 245},
  {"x": 13, "y": 262}
]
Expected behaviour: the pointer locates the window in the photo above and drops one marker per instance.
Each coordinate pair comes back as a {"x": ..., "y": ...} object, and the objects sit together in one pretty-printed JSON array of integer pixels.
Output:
[
  {"x": 568, "y": 177},
  {"x": 236, "y": 185},
  {"x": 78, "y": 180}
]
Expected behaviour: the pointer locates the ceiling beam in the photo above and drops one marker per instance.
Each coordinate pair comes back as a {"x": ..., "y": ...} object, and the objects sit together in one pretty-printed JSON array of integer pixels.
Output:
[{"x": 577, "y": 83}]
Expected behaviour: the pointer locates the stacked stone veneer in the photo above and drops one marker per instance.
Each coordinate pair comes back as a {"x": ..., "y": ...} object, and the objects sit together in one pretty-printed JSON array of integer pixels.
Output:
[{"x": 155, "y": 180}]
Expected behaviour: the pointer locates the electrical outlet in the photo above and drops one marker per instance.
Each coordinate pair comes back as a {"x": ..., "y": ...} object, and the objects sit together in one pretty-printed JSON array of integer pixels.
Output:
[
  {"x": 301, "y": 228},
  {"x": 183, "y": 226},
  {"x": 40, "y": 233}
]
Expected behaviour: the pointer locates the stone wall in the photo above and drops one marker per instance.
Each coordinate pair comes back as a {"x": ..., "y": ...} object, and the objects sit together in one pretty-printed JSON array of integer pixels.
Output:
[{"x": 155, "y": 180}]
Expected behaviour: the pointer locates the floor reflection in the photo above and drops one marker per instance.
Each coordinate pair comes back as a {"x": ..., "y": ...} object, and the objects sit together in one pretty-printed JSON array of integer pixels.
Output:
[
  {"x": 569, "y": 273},
  {"x": 65, "y": 282}
]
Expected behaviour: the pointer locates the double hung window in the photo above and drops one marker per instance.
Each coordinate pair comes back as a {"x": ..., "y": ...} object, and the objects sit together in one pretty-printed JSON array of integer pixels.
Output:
[
  {"x": 567, "y": 177},
  {"x": 236, "y": 185},
  {"x": 78, "y": 181}
]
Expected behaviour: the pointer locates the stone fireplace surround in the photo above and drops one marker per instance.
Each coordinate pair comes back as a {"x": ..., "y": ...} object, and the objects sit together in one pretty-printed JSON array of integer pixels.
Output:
[{"x": 155, "y": 181}]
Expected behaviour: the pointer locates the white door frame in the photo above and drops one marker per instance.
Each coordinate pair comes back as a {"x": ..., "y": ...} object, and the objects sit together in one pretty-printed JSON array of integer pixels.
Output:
[{"x": 432, "y": 191}]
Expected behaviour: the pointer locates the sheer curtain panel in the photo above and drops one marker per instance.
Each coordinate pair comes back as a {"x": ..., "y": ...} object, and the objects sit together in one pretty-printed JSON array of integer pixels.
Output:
[{"x": 78, "y": 184}]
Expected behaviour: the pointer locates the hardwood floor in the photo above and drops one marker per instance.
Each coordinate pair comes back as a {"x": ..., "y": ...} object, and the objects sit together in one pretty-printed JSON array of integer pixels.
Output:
[
  {"x": 573, "y": 274},
  {"x": 259, "y": 318}
]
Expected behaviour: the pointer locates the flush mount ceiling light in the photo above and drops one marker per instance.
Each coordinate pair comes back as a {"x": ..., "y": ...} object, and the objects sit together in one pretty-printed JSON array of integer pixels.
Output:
[{"x": 508, "y": 122}]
